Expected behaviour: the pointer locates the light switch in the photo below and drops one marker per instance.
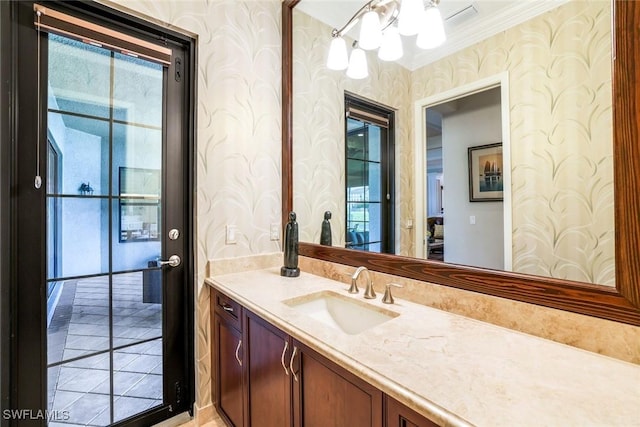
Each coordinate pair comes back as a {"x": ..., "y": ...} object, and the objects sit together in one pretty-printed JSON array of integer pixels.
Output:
[
  {"x": 274, "y": 231},
  {"x": 472, "y": 220},
  {"x": 230, "y": 238}
]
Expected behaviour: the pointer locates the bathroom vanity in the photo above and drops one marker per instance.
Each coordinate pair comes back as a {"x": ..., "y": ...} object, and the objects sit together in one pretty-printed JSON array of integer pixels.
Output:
[{"x": 305, "y": 352}]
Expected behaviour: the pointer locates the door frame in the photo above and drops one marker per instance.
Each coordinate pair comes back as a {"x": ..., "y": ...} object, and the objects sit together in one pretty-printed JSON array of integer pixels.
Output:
[
  {"x": 23, "y": 361},
  {"x": 500, "y": 80}
]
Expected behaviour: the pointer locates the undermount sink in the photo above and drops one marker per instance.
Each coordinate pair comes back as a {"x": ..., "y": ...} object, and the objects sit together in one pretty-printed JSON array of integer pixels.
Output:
[{"x": 340, "y": 312}]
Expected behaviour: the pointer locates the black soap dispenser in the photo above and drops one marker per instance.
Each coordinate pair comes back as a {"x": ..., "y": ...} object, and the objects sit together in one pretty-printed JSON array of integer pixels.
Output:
[
  {"x": 290, "y": 268},
  {"x": 325, "y": 233}
]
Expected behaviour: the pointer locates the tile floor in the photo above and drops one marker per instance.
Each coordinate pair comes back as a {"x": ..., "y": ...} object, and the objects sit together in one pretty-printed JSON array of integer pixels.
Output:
[{"x": 80, "y": 327}]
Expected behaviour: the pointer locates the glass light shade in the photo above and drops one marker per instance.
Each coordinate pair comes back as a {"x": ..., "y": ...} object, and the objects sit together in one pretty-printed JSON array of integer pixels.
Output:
[
  {"x": 391, "y": 47},
  {"x": 357, "y": 64},
  {"x": 337, "y": 59},
  {"x": 370, "y": 31},
  {"x": 432, "y": 33},
  {"x": 411, "y": 17}
]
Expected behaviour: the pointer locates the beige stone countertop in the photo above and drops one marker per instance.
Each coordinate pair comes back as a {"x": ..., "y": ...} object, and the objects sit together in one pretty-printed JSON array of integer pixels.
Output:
[{"x": 455, "y": 370}]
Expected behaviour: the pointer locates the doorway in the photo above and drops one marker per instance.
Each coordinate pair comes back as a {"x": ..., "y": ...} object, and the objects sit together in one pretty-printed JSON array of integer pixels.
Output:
[
  {"x": 452, "y": 126},
  {"x": 369, "y": 192},
  {"x": 108, "y": 232}
]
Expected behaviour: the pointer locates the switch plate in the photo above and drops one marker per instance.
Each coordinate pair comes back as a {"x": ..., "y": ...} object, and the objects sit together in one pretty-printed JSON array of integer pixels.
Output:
[
  {"x": 472, "y": 220},
  {"x": 230, "y": 237},
  {"x": 409, "y": 223},
  {"x": 274, "y": 231}
]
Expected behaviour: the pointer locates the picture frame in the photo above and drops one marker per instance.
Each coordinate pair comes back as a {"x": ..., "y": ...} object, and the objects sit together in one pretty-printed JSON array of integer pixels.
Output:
[{"x": 486, "y": 178}]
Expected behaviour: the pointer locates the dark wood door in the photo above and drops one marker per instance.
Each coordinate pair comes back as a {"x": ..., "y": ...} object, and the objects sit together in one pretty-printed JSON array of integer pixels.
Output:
[
  {"x": 398, "y": 415},
  {"x": 228, "y": 362},
  {"x": 326, "y": 395},
  {"x": 268, "y": 375}
]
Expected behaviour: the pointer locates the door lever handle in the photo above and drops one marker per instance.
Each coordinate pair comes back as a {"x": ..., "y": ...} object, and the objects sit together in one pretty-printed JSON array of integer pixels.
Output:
[{"x": 173, "y": 261}]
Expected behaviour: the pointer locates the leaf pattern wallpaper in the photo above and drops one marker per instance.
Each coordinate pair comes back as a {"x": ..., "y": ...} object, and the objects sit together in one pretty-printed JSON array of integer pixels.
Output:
[
  {"x": 238, "y": 137},
  {"x": 559, "y": 66}
]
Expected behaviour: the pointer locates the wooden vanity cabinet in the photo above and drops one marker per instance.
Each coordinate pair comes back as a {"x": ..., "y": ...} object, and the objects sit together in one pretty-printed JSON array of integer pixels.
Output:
[
  {"x": 227, "y": 354},
  {"x": 265, "y": 378},
  {"x": 398, "y": 415},
  {"x": 268, "y": 375},
  {"x": 327, "y": 395}
]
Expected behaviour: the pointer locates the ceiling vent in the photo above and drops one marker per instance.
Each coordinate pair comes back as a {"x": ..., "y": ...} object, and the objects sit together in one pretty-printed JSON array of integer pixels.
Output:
[{"x": 461, "y": 15}]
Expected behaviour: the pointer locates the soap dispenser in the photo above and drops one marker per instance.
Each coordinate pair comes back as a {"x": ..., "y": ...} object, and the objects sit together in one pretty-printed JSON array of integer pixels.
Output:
[
  {"x": 290, "y": 268},
  {"x": 325, "y": 233}
]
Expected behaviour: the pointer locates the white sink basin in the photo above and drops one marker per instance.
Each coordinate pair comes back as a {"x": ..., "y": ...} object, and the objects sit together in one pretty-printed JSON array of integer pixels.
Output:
[{"x": 340, "y": 312}]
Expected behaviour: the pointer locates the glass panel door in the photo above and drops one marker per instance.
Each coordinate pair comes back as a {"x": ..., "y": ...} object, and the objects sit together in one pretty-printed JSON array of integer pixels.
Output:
[{"x": 104, "y": 205}]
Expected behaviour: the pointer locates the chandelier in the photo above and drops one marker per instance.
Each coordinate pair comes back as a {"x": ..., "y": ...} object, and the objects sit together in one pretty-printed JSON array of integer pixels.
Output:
[{"x": 382, "y": 22}]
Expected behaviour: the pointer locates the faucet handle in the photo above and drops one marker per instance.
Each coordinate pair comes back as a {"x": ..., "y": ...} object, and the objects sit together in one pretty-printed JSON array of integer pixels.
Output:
[
  {"x": 388, "y": 298},
  {"x": 369, "y": 292},
  {"x": 353, "y": 289}
]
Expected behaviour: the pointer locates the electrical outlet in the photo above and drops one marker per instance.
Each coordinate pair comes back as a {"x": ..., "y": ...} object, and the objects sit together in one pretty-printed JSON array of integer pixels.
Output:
[
  {"x": 274, "y": 231},
  {"x": 230, "y": 237},
  {"x": 472, "y": 220}
]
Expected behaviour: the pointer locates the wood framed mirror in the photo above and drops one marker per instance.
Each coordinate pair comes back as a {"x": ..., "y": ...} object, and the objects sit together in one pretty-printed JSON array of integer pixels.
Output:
[{"x": 622, "y": 303}]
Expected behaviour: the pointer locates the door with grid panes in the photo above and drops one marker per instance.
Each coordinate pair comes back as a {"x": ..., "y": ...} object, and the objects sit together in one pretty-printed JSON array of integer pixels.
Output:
[{"x": 111, "y": 149}]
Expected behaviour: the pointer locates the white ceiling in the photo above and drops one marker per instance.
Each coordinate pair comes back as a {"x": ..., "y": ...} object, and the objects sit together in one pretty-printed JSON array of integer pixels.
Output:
[{"x": 466, "y": 22}]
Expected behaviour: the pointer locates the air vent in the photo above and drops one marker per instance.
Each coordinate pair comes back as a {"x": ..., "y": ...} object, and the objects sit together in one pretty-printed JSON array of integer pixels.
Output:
[{"x": 461, "y": 15}]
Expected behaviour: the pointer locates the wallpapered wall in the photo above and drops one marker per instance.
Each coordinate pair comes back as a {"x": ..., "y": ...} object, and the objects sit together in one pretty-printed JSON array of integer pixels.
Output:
[
  {"x": 559, "y": 68},
  {"x": 561, "y": 135},
  {"x": 238, "y": 138}
]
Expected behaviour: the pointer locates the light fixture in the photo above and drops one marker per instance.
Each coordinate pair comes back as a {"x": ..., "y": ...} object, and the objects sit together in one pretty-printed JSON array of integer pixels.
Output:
[
  {"x": 391, "y": 47},
  {"x": 381, "y": 24},
  {"x": 411, "y": 17},
  {"x": 357, "y": 64},
  {"x": 338, "y": 58},
  {"x": 432, "y": 33},
  {"x": 370, "y": 31}
]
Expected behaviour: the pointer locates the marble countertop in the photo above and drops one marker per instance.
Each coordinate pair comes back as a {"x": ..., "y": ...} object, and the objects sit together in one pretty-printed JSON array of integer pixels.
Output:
[{"x": 455, "y": 370}]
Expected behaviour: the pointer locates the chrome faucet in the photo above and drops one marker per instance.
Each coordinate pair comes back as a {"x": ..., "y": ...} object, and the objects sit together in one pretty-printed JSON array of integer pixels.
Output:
[{"x": 369, "y": 293}]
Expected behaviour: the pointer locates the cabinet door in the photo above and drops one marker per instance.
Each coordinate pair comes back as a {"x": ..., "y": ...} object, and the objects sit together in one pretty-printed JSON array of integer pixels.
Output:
[
  {"x": 326, "y": 395},
  {"x": 398, "y": 415},
  {"x": 269, "y": 381},
  {"x": 229, "y": 391}
]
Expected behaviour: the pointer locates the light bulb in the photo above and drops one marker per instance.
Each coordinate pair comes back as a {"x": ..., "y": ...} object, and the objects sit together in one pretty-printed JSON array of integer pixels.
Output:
[
  {"x": 337, "y": 59},
  {"x": 357, "y": 64},
  {"x": 370, "y": 31},
  {"x": 432, "y": 33},
  {"x": 411, "y": 17},
  {"x": 391, "y": 47}
]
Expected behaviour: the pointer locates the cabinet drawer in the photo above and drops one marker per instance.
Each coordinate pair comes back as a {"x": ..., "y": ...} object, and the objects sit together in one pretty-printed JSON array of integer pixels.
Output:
[{"x": 228, "y": 309}]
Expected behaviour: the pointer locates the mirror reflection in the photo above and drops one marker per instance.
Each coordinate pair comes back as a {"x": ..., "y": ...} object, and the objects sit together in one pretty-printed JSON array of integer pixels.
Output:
[{"x": 540, "y": 88}]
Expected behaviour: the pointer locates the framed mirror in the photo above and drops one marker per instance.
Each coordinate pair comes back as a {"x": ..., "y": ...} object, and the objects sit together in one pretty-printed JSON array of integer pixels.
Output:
[{"x": 619, "y": 303}]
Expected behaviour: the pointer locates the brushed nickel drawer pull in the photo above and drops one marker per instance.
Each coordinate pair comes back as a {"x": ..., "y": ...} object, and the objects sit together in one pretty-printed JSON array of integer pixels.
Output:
[
  {"x": 293, "y": 356},
  {"x": 237, "y": 350},
  {"x": 227, "y": 307},
  {"x": 284, "y": 352}
]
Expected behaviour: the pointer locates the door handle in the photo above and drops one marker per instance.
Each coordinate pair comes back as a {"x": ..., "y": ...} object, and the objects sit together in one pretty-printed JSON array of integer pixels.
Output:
[{"x": 173, "y": 261}]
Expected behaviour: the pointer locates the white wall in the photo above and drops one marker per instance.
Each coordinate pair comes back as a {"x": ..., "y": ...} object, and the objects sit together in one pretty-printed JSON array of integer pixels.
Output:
[{"x": 476, "y": 121}]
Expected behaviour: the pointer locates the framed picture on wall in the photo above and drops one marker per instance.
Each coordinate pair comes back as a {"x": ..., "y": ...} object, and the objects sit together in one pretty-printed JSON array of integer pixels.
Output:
[{"x": 486, "y": 173}]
